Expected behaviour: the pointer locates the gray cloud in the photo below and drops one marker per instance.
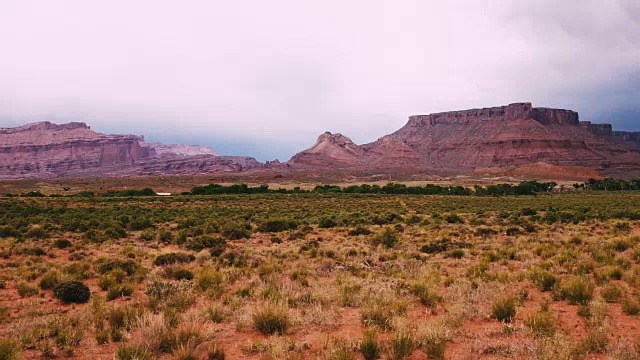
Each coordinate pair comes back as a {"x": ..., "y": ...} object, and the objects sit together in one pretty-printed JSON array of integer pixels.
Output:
[{"x": 266, "y": 77}]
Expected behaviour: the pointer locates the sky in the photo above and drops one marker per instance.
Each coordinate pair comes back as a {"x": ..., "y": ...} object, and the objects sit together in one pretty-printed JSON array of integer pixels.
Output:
[{"x": 265, "y": 78}]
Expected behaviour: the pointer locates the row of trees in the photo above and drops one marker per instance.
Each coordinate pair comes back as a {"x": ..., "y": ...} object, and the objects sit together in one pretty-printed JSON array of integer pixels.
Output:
[{"x": 525, "y": 188}]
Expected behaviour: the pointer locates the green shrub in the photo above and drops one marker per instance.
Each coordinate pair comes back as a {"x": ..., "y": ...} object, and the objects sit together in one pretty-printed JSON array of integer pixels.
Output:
[
  {"x": 115, "y": 233},
  {"x": 173, "y": 258},
  {"x": 179, "y": 274},
  {"x": 544, "y": 280},
  {"x": 204, "y": 241},
  {"x": 453, "y": 219},
  {"x": 370, "y": 347},
  {"x": 402, "y": 345},
  {"x": 9, "y": 349},
  {"x": 388, "y": 238},
  {"x": 596, "y": 341},
  {"x": 127, "y": 352},
  {"x": 611, "y": 293},
  {"x": 425, "y": 293},
  {"x": 541, "y": 323},
  {"x": 360, "y": 230},
  {"x": 140, "y": 224},
  {"x": 576, "y": 290},
  {"x": 49, "y": 280},
  {"x": 504, "y": 309},
  {"x": 26, "y": 290},
  {"x": 72, "y": 292},
  {"x": 166, "y": 237},
  {"x": 327, "y": 222},
  {"x": 236, "y": 230},
  {"x": 107, "y": 265},
  {"x": 62, "y": 244},
  {"x": 631, "y": 306},
  {"x": 271, "y": 319},
  {"x": 277, "y": 226},
  {"x": 207, "y": 280},
  {"x": 215, "y": 352},
  {"x": 118, "y": 291},
  {"x": 9, "y": 231},
  {"x": 37, "y": 232}
]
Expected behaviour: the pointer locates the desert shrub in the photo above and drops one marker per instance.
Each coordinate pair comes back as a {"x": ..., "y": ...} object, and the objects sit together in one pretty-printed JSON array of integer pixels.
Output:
[
  {"x": 130, "y": 352},
  {"x": 173, "y": 258},
  {"x": 177, "y": 294},
  {"x": 433, "y": 340},
  {"x": 215, "y": 352},
  {"x": 118, "y": 291},
  {"x": 596, "y": 341},
  {"x": 209, "y": 280},
  {"x": 5, "y": 314},
  {"x": 140, "y": 224},
  {"x": 102, "y": 336},
  {"x": 62, "y": 244},
  {"x": 327, "y": 222},
  {"x": 622, "y": 227},
  {"x": 504, "y": 309},
  {"x": 360, "y": 230},
  {"x": 381, "y": 315},
  {"x": 215, "y": 314},
  {"x": 78, "y": 270},
  {"x": 115, "y": 233},
  {"x": 277, "y": 226},
  {"x": 9, "y": 349},
  {"x": 49, "y": 280},
  {"x": 388, "y": 238},
  {"x": 576, "y": 290},
  {"x": 631, "y": 306},
  {"x": 179, "y": 274},
  {"x": 402, "y": 345},
  {"x": 236, "y": 230},
  {"x": 370, "y": 347},
  {"x": 26, "y": 290},
  {"x": 455, "y": 254},
  {"x": 541, "y": 323},
  {"x": 204, "y": 242},
  {"x": 123, "y": 317},
  {"x": 72, "y": 292},
  {"x": 37, "y": 232},
  {"x": 611, "y": 293},
  {"x": 442, "y": 245},
  {"x": 271, "y": 319},
  {"x": 544, "y": 280},
  {"x": 106, "y": 265},
  {"x": 425, "y": 293},
  {"x": 9, "y": 231},
  {"x": 166, "y": 237},
  {"x": 453, "y": 219}
]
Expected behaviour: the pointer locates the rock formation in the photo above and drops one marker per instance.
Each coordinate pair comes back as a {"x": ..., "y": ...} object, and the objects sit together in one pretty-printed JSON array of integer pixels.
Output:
[
  {"x": 499, "y": 137},
  {"x": 45, "y": 149}
]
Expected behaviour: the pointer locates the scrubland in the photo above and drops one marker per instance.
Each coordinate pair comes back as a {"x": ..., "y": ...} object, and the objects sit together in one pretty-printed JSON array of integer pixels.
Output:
[{"x": 321, "y": 276}]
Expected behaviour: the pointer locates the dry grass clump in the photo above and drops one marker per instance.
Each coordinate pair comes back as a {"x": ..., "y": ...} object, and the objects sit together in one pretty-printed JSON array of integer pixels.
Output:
[{"x": 271, "y": 319}]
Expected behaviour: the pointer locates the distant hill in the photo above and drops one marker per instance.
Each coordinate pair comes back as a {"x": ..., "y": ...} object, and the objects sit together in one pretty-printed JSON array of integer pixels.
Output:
[{"x": 516, "y": 140}]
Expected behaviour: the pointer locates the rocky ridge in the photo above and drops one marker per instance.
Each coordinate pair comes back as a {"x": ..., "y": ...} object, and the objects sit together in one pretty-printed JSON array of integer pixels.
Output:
[
  {"x": 45, "y": 149},
  {"x": 503, "y": 137}
]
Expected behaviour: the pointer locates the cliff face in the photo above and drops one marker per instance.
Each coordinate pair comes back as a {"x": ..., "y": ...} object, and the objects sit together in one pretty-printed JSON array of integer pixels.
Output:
[
  {"x": 498, "y": 137},
  {"x": 45, "y": 149}
]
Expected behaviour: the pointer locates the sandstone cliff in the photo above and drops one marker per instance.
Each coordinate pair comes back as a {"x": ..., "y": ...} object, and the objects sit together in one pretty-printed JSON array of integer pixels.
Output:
[
  {"x": 499, "y": 137},
  {"x": 45, "y": 149}
]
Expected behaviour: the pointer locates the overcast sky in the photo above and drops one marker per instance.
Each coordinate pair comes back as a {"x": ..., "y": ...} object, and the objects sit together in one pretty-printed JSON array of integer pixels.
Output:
[{"x": 265, "y": 78}]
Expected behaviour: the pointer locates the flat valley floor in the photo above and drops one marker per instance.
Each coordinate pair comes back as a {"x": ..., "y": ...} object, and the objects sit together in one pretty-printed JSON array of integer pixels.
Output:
[{"x": 311, "y": 276}]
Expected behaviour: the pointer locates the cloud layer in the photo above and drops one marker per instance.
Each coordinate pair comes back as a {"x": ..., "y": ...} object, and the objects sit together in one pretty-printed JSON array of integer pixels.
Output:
[{"x": 264, "y": 78}]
